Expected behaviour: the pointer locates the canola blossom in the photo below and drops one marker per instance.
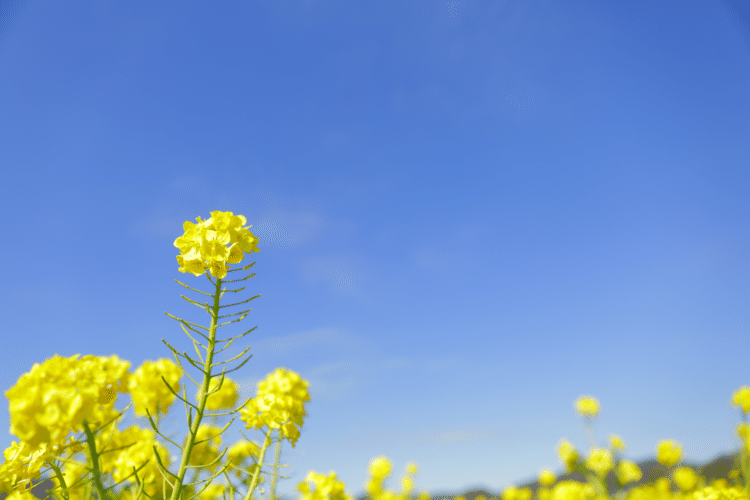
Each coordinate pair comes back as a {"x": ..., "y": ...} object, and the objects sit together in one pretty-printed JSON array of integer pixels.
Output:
[{"x": 71, "y": 395}]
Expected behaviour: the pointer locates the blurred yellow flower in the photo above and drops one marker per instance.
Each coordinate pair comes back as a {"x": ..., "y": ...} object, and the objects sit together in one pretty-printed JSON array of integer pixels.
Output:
[
  {"x": 685, "y": 478},
  {"x": 616, "y": 442},
  {"x": 668, "y": 452},
  {"x": 568, "y": 454},
  {"x": 600, "y": 461},
  {"x": 587, "y": 406},
  {"x": 628, "y": 472},
  {"x": 741, "y": 398},
  {"x": 547, "y": 477}
]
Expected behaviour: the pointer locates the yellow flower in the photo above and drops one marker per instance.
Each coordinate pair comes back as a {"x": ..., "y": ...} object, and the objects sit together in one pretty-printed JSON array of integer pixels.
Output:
[
  {"x": 148, "y": 389},
  {"x": 668, "y": 453},
  {"x": 599, "y": 461},
  {"x": 139, "y": 451},
  {"x": 547, "y": 477},
  {"x": 587, "y": 406},
  {"x": 741, "y": 398},
  {"x": 616, "y": 442},
  {"x": 543, "y": 493},
  {"x": 743, "y": 430},
  {"x": 280, "y": 402},
  {"x": 202, "y": 246},
  {"x": 568, "y": 454},
  {"x": 21, "y": 466},
  {"x": 61, "y": 394},
  {"x": 242, "y": 450},
  {"x": 326, "y": 487},
  {"x": 215, "y": 491},
  {"x": 628, "y": 472},
  {"x": 514, "y": 493},
  {"x": 380, "y": 467},
  {"x": 713, "y": 493},
  {"x": 226, "y": 397},
  {"x": 573, "y": 490},
  {"x": 685, "y": 478},
  {"x": 412, "y": 468}
]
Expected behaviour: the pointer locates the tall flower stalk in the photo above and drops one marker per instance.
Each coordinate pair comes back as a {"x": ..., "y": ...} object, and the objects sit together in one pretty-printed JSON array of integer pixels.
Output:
[{"x": 202, "y": 247}]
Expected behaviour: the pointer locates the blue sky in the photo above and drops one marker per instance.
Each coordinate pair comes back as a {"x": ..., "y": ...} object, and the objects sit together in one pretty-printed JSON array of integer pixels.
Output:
[{"x": 470, "y": 214}]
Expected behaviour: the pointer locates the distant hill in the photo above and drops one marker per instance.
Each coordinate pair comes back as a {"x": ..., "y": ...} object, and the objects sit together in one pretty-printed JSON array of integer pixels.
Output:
[{"x": 651, "y": 469}]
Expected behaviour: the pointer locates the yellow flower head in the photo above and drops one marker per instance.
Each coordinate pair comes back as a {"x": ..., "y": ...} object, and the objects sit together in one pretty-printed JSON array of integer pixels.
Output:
[
  {"x": 547, "y": 477},
  {"x": 147, "y": 389},
  {"x": 616, "y": 442},
  {"x": 226, "y": 397},
  {"x": 326, "y": 487},
  {"x": 279, "y": 404},
  {"x": 587, "y": 406},
  {"x": 59, "y": 395},
  {"x": 412, "y": 468},
  {"x": 572, "y": 490},
  {"x": 380, "y": 467},
  {"x": 668, "y": 453},
  {"x": 741, "y": 398},
  {"x": 628, "y": 472},
  {"x": 21, "y": 466},
  {"x": 568, "y": 454},
  {"x": 203, "y": 245},
  {"x": 513, "y": 492},
  {"x": 600, "y": 461},
  {"x": 685, "y": 478},
  {"x": 743, "y": 430},
  {"x": 136, "y": 447}
]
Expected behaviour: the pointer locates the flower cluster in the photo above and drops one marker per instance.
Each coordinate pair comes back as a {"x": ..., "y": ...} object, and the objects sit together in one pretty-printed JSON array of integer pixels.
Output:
[
  {"x": 148, "y": 390},
  {"x": 203, "y": 245},
  {"x": 134, "y": 446},
  {"x": 279, "y": 404},
  {"x": 59, "y": 395},
  {"x": 220, "y": 397}
]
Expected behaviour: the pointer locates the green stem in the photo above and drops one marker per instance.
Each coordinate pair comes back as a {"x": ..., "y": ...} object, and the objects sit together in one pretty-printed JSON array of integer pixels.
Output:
[
  {"x": 276, "y": 467},
  {"x": 590, "y": 431},
  {"x": 204, "y": 396},
  {"x": 94, "y": 461},
  {"x": 254, "y": 482}
]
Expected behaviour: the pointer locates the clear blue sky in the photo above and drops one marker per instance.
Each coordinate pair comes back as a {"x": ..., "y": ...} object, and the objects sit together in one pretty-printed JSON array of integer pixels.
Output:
[{"x": 470, "y": 214}]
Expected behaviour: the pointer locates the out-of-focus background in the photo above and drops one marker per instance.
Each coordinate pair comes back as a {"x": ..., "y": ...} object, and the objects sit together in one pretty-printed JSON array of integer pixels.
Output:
[{"x": 470, "y": 214}]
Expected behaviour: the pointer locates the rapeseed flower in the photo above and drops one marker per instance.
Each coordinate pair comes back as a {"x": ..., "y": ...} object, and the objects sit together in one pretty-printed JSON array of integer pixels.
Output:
[
  {"x": 668, "y": 452},
  {"x": 279, "y": 404},
  {"x": 616, "y": 442},
  {"x": 628, "y": 472},
  {"x": 600, "y": 461},
  {"x": 685, "y": 478},
  {"x": 741, "y": 398},
  {"x": 587, "y": 406},
  {"x": 547, "y": 477},
  {"x": 568, "y": 454}
]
